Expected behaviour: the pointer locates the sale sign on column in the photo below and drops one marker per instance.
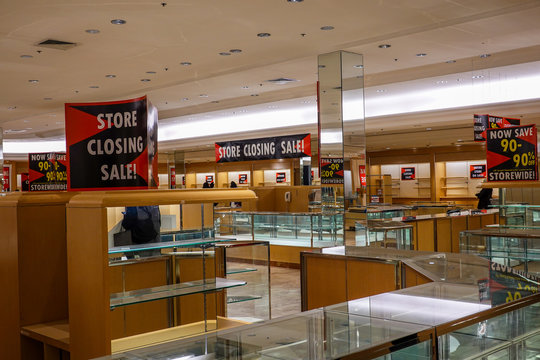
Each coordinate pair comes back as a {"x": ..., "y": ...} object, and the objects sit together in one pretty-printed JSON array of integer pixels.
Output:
[{"x": 511, "y": 154}]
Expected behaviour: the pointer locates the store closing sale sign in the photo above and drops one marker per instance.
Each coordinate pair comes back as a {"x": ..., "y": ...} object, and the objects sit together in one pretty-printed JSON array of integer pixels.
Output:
[
  {"x": 511, "y": 154},
  {"x": 282, "y": 147},
  {"x": 112, "y": 145},
  {"x": 47, "y": 172},
  {"x": 332, "y": 171}
]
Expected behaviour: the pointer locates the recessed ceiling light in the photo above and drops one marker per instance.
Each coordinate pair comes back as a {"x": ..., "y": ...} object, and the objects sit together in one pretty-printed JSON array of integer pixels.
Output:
[
  {"x": 26, "y": 56},
  {"x": 12, "y": 108},
  {"x": 281, "y": 81},
  {"x": 385, "y": 46},
  {"x": 254, "y": 94},
  {"x": 110, "y": 76},
  {"x": 421, "y": 54},
  {"x": 327, "y": 27},
  {"x": 118, "y": 22},
  {"x": 387, "y": 148},
  {"x": 224, "y": 53},
  {"x": 272, "y": 106},
  {"x": 93, "y": 87},
  {"x": 33, "y": 81},
  {"x": 322, "y": 66},
  {"x": 215, "y": 102},
  {"x": 47, "y": 98},
  {"x": 295, "y": 1},
  {"x": 92, "y": 31},
  {"x": 185, "y": 63},
  {"x": 235, "y": 51},
  {"x": 483, "y": 56},
  {"x": 477, "y": 76},
  {"x": 381, "y": 90},
  {"x": 150, "y": 72},
  {"x": 26, "y": 121},
  {"x": 428, "y": 129},
  {"x": 358, "y": 66},
  {"x": 450, "y": 61},
  {"x": 245, "y": 87},
  {"x": 442, "y": 82},
  {"x": 264, "y": 34},
  {"x": 306, "y": 102},
  {"x": 203, "y": 95},
  {"x": 59, "y": 122},
  {"x": 185, "y": 99}
]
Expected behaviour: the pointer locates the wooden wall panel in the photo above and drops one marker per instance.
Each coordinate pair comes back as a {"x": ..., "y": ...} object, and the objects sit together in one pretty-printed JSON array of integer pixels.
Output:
[
  {"x": 459, "y": 224},
  {"x": 425, "y": 232},
  {"x": 366, "y": 278},
  {"x": 326, "y": 282},
  {"x": 413, "y": 278},
  {"x": 444, "y": 234}
]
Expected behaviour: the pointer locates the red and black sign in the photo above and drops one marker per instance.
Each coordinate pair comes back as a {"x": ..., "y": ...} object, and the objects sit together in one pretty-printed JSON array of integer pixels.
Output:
[
  {"x": 47, "y": 172},
  {"x": 112, "y": 145},
  {"x": 511, "y": 154},
  {"x": 408, "y": 173},
  {"x": 362, "y": 172},
  {"x": 281, "y": 177},
  {"x": 477, "y": 171},
  {"x": 209, "y": 179},
  {"x": 172, "y": 179},
  {"x": 6, "y": 185},
  {"x": 484, "y": 122},
  {"x": 242, "y": 178},
  {"x": 25, "y": 182},
  {"x": 283, "y": 147},
  {"x": 331, "y": 170},
  {"x": 507, "y": 284}
]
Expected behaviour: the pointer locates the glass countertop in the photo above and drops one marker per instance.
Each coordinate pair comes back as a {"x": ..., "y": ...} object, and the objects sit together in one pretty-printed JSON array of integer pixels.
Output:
[
  {"x": 371, "y": 252},
  {"x": 520, "y": 231},
  {"x": 165, "y": 245},
  {"x": 430, "y": 304}
]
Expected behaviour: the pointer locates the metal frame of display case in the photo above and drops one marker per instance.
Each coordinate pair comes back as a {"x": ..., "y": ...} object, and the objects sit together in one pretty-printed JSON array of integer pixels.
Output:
[{"x": 403, "y": 232}]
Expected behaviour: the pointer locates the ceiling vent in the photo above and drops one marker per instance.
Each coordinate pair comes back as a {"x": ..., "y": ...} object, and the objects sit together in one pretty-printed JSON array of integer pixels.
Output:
[
  {"x": 281, "y": 81},
  {"x": 57, "y": 44}
]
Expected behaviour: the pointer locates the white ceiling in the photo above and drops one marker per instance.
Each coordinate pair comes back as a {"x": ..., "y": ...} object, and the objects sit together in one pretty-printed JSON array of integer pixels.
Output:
[{"x": 158, "y": 38}]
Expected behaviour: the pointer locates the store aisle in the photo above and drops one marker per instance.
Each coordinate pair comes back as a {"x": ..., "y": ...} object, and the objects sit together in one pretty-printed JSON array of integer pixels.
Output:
[{"x": 285, "y": 285}]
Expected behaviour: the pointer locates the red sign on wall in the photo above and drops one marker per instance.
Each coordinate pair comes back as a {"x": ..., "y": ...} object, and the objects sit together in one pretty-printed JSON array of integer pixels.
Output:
[
  {"x": 172, "y": 177},
  {"x": 6, "y": 186},
  {"x": 362, "y": 171},
  {"x": 408, "y": 173},
  {"x": 281, "y": 177}
]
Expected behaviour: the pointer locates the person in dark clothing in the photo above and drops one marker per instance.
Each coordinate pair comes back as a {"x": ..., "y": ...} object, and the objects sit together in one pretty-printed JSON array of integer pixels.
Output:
[
  {"x": 205, "y": 185},
  {"x": 484, "y": 198},
  {"x": 233, "y": 185},
  {"x": 144, "y": 222}
]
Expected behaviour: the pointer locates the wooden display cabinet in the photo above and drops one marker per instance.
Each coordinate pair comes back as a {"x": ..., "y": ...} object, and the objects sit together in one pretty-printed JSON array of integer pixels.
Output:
[{"x": 90, "y": 277}]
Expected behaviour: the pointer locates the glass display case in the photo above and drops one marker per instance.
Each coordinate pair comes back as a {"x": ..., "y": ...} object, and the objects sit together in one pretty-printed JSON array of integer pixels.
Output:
[
  {"x": 519, "y": 214},
  {"x": 247, "y": 261},
  {"x": 516, "y": 247},
  {"x": 384, "y": 233},
  {"x": 289, "y": 229}
]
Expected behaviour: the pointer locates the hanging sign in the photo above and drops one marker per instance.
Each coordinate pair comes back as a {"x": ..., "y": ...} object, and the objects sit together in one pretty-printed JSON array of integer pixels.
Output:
[
  {"x": 477, "y": 171},
  {"x": 209, "y": 179},
  {"x": 408, "y": 173},
  {"x": 484, "y": 122},
  {"x": 112, "y": 145},
  {"x": 6, "y": 186},
  {"x": 511, "y": 154},
  {"x": 242, "y": 178},
  {"x": 332, "y": 171},
  {"x": 47, "y": 172},
  {"x": 25, "y": 182},
  {"x": 281, "y": 177},
  {"x": 282, "y": 147}
]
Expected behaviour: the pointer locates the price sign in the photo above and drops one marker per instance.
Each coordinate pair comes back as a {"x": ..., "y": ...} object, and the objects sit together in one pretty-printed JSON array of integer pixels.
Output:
[
  {"x": 507, "y": 284},
  {"x": 281, "y": 177},
  {"x": 47, "y": 171},
  {"x": 242, "y": 178},
  {"x": 408, "y": 173},
  {"x": 511, "y": 154},
  {"x": 331, "y": 170},
  {"x": 477, "y": 171}
]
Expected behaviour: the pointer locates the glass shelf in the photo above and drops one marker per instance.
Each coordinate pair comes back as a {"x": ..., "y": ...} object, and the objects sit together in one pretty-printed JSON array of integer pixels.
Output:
[
  {"x": 242, "y": 298},
  {"x": 174, "y": 290},
  {"x": 240, "y": 270},
  {"x": 166, "y": 245}
]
